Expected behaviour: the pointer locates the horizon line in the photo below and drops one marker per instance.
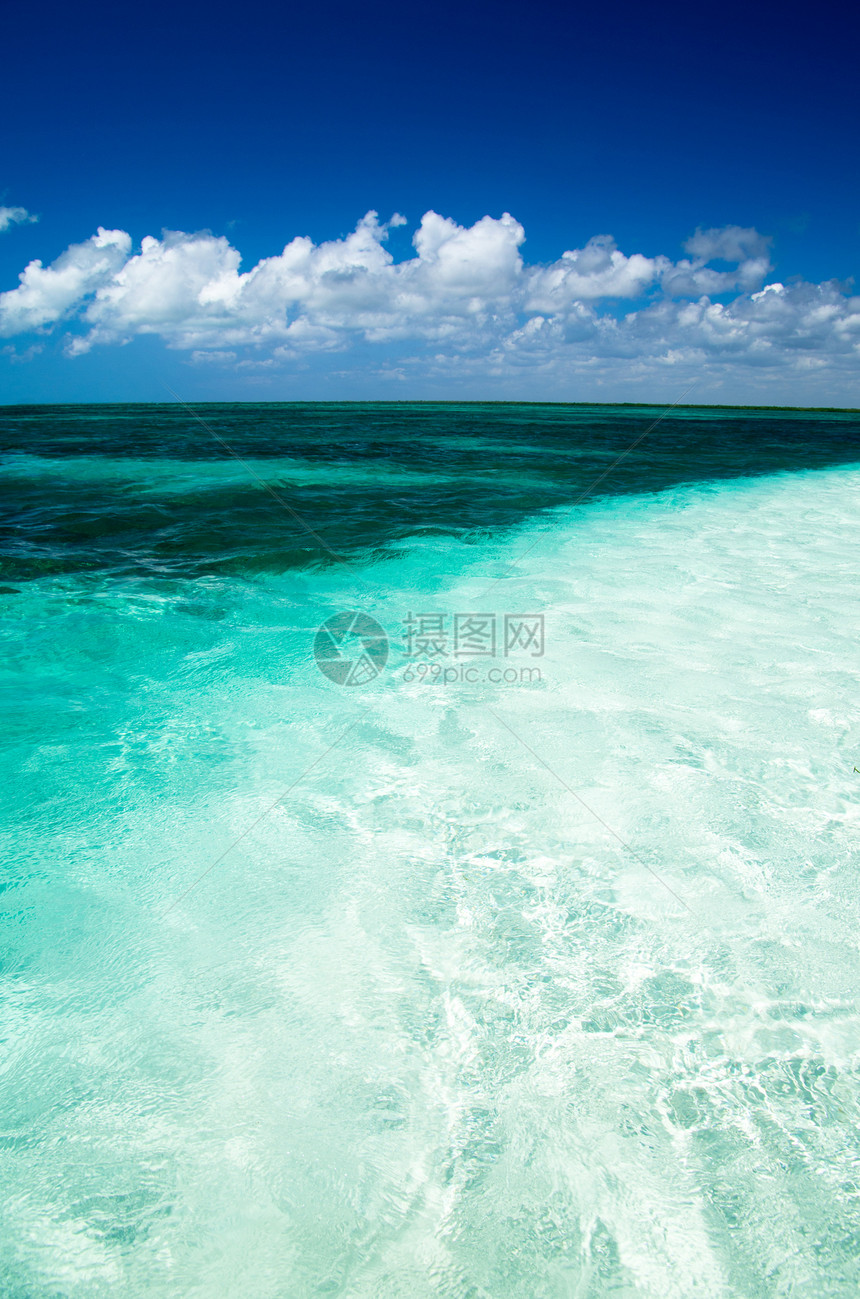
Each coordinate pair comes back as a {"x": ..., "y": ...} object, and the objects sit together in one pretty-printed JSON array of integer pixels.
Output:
[{"x": 432, "y": 401}]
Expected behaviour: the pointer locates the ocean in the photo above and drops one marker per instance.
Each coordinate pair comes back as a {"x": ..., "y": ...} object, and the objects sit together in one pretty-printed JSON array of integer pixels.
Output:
[{"x": 431, "y": 850}]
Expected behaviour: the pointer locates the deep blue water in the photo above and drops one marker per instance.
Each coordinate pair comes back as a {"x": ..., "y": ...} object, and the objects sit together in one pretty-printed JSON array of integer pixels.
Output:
[{"x": 149, "y": 489}]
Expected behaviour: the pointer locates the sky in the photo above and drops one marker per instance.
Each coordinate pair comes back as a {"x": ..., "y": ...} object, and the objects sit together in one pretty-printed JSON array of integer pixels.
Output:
[{"x": 456, "y": 201}]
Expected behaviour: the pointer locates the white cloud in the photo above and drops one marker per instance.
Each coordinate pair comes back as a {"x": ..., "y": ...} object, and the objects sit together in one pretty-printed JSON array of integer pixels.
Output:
[
  {"x": 728, "y": 244},
  {"x": 466, "y": 299},
  {"x": 161, "y": 289},
  {"x": 739, "y": 245},
  {"x": 188, "y": 288},
  {"x": 598, "y": 270},
  {"x": 14, "y": 216},
  {"x": 47, "y": 294}
]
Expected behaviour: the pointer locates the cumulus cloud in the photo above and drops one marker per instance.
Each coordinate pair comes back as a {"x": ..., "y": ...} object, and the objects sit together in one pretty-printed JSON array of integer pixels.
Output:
[
  {"x": 800, "y": 328},
  {"x": 188, "y": 288},
  {"x": 160, "y": 290},
  {"x": 48, "y": 294},
  {"x": 465, "y": 298},
  {"x": 742, "y": 247},
  {"x": 598, "y": 270},
  {"x": 14, "y": 216}
]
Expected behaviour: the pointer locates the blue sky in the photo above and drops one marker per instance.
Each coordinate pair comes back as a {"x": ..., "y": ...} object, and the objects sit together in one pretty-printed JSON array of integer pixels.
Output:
[{"x": 253, "y": 127}]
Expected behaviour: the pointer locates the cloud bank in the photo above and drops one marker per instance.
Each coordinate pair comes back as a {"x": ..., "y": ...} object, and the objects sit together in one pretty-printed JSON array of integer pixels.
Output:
[{"x": 466, "y": 303}]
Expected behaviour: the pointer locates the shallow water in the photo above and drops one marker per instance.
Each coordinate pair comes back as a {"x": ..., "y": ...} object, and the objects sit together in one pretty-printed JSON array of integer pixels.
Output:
[{"x": 533, "y": 988}]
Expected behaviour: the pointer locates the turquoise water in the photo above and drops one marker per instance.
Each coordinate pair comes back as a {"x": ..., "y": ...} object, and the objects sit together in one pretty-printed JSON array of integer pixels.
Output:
[{"x": 544, "y": 987}]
